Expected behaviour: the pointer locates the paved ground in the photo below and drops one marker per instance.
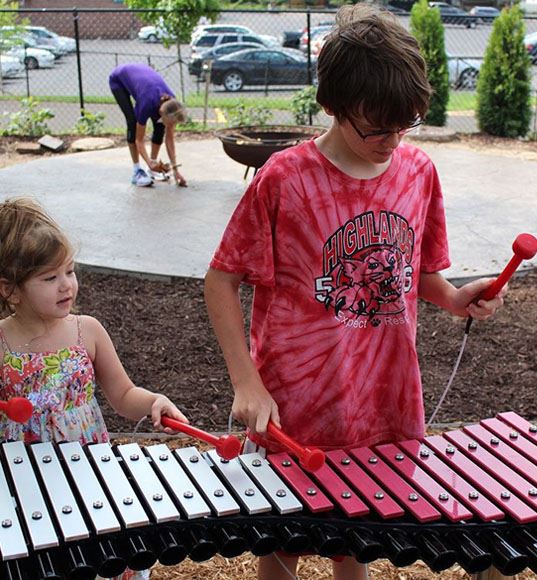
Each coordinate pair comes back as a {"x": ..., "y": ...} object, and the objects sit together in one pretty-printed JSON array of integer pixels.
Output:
[{"x": 165, "y": 230}]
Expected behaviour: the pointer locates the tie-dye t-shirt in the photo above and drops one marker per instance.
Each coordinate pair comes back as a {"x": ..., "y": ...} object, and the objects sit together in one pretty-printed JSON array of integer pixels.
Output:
[{"x": 336, "y": 263}]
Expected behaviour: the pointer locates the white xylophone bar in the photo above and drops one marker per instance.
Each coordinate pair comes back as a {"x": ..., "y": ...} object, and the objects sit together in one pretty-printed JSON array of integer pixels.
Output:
[
  {"x": 34, "y": 509},
  {"x": 95, "y": 500},
  {"x": 180, "y": 485},
  {"x": 120, "y": 490},
  {"x": 218, "y": 497},
  {"x": 156, "y": 497},
  {"x": 59, "y": 491},
  {"x": 12, "y": 541}
]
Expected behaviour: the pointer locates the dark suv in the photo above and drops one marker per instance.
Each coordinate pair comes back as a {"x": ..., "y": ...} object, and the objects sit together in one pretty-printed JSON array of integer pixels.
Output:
[{"x": 453, "y": 15}]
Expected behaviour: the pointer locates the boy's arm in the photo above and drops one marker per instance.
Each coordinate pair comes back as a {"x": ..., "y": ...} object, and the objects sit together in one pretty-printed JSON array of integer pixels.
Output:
[
  {"x": 434, "y": 288},
  {"x": 253, "y": 405},
  {"x": 125, "y": 398}
]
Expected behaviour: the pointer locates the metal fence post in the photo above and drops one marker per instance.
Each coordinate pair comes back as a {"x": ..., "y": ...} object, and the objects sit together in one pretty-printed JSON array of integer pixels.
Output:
[
  {"x": 310, "y": 80},
  {"x": 78, "y": 63},
  {"x": 27, "y": 72}
]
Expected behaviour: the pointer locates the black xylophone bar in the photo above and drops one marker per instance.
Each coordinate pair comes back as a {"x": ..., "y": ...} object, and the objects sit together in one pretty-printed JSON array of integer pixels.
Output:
[{"x": 469, "y": 496}]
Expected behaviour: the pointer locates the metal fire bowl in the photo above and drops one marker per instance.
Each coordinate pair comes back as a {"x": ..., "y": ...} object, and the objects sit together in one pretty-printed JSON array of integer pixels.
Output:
[{"x": 253, "y": 145}]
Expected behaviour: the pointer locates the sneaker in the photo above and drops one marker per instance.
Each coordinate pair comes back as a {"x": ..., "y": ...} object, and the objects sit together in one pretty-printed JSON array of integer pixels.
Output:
[
  {"x": 141, "y": 179},
  {"x": 158, "y": 176}
]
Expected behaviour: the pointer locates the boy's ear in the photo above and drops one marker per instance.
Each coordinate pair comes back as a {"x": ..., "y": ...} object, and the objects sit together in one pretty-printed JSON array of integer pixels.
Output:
[{"x": 328, "y": 111}]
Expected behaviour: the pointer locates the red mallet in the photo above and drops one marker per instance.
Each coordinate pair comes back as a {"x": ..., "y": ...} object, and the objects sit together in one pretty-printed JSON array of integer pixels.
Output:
[
  {"x": 310, "y": 458},
  {"x": 17, "y": 409},
  {"x": 227, "y": 446},
  {"x": 524, "y": 248}
]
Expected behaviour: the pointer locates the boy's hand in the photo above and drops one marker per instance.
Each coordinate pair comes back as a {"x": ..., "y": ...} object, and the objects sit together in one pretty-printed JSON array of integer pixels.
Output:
[
  {"x": 163, "y": 406},
  {"x": 253, "y": 407},
  {"x": 465, "y": 297}
]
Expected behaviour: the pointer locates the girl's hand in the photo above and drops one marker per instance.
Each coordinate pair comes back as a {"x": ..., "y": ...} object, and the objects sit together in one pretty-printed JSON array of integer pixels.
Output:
[
  {"x": 179, "y": 179},
  {"x": 254, "y": 407},
  {"x": 466, "y": 295},
  {"x": 154, "y": 165},
  {"x": 163, "y": 406}
]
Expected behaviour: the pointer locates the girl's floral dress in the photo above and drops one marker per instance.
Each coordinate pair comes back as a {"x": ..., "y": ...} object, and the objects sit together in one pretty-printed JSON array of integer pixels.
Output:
[{"x": 61, "y": 386}]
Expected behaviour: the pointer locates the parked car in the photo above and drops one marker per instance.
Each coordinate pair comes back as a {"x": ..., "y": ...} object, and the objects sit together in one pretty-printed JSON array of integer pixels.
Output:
[
  {"x": 30, "y": 56},
  {"x": 197, "y": 60},
  {"x": 396, "y": 10},
  {"x": 316, "y": 31},
  {"x": 10, "y": 66},
  {"x": 530, "y": 42},
  {"x": 260, "y": 66},
  {"x": 463, "y": 72},
  {"x": 317, "y": 42},
  {"x": 486, "y": 14},
  {"x": 152, "y": 34},
  {"x": 219, "y": 29},
  {"x": 47, "y": 37},
  {"x": 206, "y": 41},
  {"x": 291, "y": 38},
  {"x": 453, "y": 15},
  {"x": 52, "y": 44}
]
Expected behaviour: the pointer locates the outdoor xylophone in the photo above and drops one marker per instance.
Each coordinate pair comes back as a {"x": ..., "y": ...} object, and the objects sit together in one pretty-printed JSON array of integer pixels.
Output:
[{"x": 467, "y": 496}]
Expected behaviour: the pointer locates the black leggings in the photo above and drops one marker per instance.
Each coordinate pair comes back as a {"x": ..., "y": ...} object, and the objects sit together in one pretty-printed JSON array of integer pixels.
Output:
[{"x": 125, "y": 104}]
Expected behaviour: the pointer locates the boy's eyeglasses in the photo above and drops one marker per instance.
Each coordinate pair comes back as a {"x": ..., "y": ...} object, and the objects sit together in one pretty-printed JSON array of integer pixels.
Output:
[{"x": 376, "y": 136}]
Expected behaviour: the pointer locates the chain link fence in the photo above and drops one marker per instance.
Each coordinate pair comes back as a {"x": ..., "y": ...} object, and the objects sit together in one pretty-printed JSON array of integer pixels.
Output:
[{"x": 76, "y": 78}]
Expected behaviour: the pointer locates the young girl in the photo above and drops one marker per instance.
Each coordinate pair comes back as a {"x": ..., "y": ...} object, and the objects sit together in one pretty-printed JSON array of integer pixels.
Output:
[{"x": 49, "y": 355}]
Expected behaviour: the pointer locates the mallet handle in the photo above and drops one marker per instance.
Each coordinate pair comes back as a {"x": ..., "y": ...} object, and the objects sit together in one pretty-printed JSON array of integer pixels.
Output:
[{"x": 188, "y": 430}]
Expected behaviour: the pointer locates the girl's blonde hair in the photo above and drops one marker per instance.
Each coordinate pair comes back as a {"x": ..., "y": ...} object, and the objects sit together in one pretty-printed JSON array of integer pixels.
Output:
[
  {"x": 171, "y": 109},
  {"x": 29, "y": 241}
]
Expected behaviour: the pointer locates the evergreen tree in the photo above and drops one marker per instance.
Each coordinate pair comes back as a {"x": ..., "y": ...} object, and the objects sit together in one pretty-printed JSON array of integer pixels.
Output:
[
  {"x": 426, "y": 25},
  {"x": 504, "y": 84}
]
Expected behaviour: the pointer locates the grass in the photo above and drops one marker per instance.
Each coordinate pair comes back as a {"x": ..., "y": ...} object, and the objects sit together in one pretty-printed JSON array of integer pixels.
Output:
[{"x": 458, "y": 101}]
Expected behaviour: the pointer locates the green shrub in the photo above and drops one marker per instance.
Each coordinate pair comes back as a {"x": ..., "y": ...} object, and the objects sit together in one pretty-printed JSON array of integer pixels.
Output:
[
  {"x": 30, "y": 120},
  {"x": 304, "y": 105},
  {"x": 504, "y": 84},
  {"x": 426, "y": 25},
  {"x": 90, "y": 124},
  {"x": 244, "y": 113}
]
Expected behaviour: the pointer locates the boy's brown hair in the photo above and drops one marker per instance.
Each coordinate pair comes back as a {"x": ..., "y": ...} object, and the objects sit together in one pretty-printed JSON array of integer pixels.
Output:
[
  {"x": 371, "y": 67},
  {"x": 30, "y": 240}
]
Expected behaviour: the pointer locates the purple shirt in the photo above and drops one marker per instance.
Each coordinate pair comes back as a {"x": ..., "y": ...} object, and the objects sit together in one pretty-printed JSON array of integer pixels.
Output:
[{"x": 144, "y": 85}]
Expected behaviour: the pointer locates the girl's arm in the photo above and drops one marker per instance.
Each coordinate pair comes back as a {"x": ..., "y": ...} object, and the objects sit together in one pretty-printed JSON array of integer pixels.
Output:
[
  {"x": 253, "y": 405},
  {"x": 459, "y": 301},
  {"x": 140, "y": 145},
  {"x": 170, "y": 148},
  {"x": 125, "y": 398}
]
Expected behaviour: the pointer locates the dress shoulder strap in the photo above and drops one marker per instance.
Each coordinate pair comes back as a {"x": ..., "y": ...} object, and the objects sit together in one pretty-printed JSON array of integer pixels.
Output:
[
  {"x": 3, "y": 342},
  {"x": 80, "y": 339}
]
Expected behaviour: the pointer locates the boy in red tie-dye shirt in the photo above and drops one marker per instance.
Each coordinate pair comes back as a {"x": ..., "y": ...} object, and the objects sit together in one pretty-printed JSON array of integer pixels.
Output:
[{"x": 340, "y": 236}]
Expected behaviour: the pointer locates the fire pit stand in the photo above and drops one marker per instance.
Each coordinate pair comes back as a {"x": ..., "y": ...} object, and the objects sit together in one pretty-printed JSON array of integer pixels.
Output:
[{"x": 253, "y": 145}]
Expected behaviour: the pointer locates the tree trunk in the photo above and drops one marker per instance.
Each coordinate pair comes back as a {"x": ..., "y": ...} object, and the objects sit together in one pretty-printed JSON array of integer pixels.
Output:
[{"x": 181, "y": 74}]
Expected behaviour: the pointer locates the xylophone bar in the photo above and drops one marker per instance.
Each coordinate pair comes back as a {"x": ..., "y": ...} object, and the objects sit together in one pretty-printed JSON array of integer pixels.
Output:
[{"x": 69, "y": 512}]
